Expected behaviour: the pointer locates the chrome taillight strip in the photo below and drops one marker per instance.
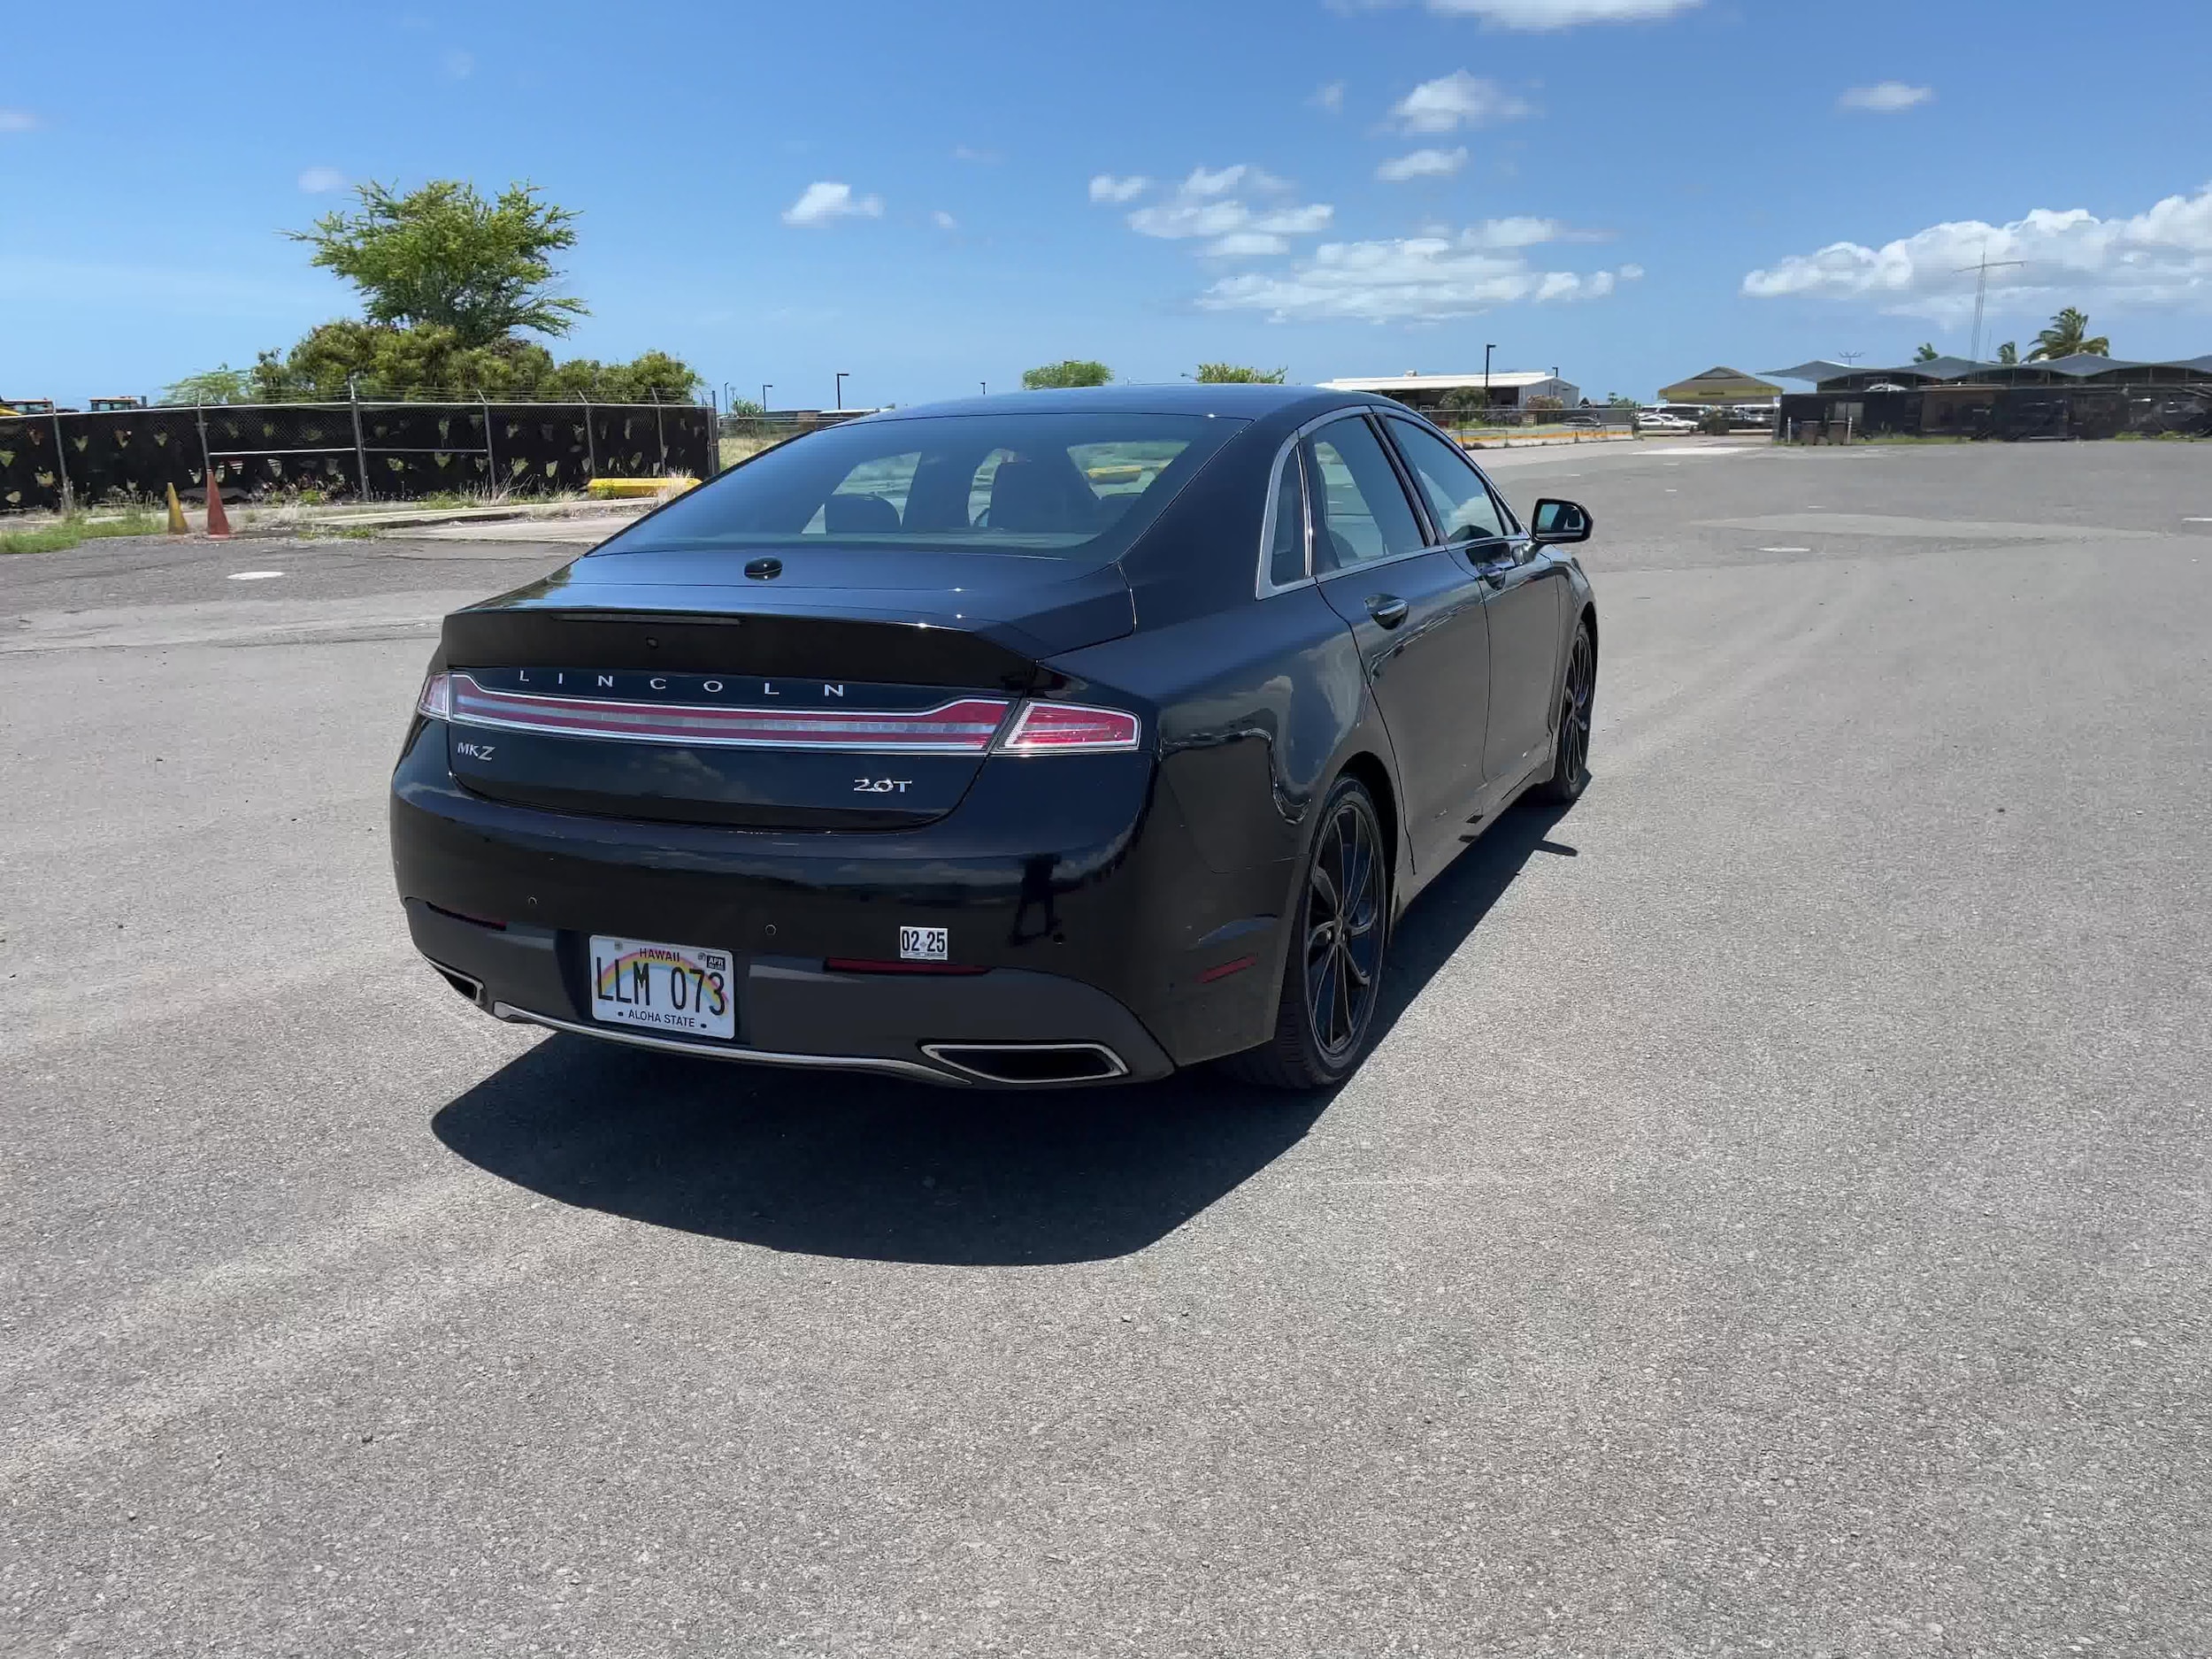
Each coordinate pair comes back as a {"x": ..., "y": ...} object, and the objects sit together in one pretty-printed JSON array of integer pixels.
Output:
[{"x": 965, "y": 726}]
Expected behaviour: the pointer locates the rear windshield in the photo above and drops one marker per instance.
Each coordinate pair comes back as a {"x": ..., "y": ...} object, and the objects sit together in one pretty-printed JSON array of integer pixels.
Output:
[{"x": 1075, "y": 486}]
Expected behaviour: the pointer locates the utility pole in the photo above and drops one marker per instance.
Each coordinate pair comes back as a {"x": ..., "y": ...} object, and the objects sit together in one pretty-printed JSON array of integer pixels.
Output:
[
  {"x": 843, "y": 375},
  {"x": 766, "y": 386},
  {"x": 1981, "y": 288},
  {"x": 1488, "y": 348}
]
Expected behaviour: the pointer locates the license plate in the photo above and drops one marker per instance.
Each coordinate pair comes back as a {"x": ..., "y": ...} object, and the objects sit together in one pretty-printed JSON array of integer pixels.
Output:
[{"x": 679, "y": 988}]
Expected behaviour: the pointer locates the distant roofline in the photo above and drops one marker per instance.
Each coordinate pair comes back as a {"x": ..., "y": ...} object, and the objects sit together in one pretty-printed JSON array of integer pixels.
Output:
[{"x": 1440, "y": 382}]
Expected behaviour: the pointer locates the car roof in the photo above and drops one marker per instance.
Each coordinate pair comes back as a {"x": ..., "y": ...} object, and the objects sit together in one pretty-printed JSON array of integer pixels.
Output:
[{"x": 1237, "y": 401}]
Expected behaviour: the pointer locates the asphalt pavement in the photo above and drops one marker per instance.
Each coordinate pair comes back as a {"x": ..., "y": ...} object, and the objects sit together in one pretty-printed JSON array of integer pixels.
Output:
[{"x": 1774, "y": 1220}]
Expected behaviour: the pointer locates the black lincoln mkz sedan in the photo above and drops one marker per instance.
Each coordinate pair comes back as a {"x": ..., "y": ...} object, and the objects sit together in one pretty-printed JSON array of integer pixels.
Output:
[{"x": 1054, "y": 738}]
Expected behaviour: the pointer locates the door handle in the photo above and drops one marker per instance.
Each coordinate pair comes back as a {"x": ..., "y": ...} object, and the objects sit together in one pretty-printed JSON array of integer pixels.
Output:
[{"x": 1387, "y": 608}]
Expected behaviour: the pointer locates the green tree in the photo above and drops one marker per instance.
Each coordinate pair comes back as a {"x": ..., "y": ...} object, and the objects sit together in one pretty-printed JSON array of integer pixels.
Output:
[
  {"x": 1067, "y": 372},
  {"x": 385, "y": 361},
  {"x": 2068, "y": 333},
  {"x": 1237, "y": 374},
  {"x": 444, "y": 256},
  {"x": 2009, "y": 352},
  {"x": 219, "y": 385},
  {"x": 1617, "y": 400},
  {"x": 1926, "y": 353}
]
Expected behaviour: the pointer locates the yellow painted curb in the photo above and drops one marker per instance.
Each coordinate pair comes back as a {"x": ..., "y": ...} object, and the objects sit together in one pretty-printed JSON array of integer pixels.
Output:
[{"x": 626, "y": 487}]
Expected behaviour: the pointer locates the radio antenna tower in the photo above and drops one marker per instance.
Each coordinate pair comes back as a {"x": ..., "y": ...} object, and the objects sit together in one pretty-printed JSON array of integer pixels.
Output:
[{"x": 1981, "y": 288}]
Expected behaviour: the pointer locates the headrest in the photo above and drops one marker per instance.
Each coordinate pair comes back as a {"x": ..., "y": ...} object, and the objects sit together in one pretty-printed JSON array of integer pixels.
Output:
[{"x": 860, "y": 515}]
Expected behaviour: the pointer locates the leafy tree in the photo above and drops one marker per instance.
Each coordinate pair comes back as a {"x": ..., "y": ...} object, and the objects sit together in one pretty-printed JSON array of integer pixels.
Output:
[
  {"x": 221, "y": 385},
  {"x": 2009, "y": 352},
  {"x": 1926, "y": 353},
  {"x": 1237, "y": 374},
  {"x": 444, "y": 256},
  {"x": 1616, "y": 400},
  {"x": 2068, "y": 333},
  {"x": 390, "y": 362},
  {"x": 1068, "y": 372}
]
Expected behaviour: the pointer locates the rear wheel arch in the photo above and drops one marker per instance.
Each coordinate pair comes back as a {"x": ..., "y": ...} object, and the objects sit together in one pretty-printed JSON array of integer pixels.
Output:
[{"x": 1368, "y": 767}]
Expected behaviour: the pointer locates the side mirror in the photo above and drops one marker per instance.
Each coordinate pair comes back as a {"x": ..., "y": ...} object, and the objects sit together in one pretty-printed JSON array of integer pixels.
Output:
[{"x": 1560, "y": 521}]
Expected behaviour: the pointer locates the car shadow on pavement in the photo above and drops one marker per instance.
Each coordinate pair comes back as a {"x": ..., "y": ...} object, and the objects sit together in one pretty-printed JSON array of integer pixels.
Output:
[{"x": 873, "y": 1168}]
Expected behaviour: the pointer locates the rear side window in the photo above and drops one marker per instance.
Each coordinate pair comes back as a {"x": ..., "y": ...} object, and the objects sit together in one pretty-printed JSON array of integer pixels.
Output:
[
  {"x": 1286, "y": 545},
  {"x": 1078, "y": 487},
  {"x": 1458, "y": 500},
  {"x": 1360, "y": 512}
]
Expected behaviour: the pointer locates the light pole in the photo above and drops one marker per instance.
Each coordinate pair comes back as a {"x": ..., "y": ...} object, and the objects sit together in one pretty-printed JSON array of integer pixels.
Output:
[
  {"x": 986, "y": 385},
  {"x": 766, "y": 386},
  {"x": 1488, "y": 346},
  {"x": 842, "y": 375}
]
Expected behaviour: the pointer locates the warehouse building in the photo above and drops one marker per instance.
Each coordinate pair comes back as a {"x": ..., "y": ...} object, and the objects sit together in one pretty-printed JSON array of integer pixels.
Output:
[
  {"x": 1501, "y": 389},
  {"x": 2079, "y": 396}
]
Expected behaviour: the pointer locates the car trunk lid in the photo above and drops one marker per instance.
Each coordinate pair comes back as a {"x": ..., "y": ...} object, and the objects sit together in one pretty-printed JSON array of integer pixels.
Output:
[{"x": 865, "y": 695}]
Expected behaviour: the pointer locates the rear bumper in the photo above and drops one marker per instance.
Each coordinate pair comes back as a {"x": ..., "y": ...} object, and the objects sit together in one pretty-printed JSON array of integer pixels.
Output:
[
  {"x": 1083, "y": 914},
  {"x": 795, "y": 1013}
]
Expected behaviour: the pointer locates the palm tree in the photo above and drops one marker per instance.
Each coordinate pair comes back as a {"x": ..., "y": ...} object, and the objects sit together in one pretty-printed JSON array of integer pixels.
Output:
[
  {"x": 2068, "y": 334},
  {"x": 2009, "y": 352},
  {"x": 1926, "y": 353}
]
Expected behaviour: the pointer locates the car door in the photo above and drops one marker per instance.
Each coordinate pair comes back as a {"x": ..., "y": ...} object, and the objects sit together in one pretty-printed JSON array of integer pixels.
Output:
[
  {"x": 1524, "y": 582},
  {"x": 1419, "y": 617}
]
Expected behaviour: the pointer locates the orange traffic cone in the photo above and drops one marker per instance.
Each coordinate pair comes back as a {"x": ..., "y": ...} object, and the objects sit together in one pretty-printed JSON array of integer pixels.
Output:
[
  {"x": 218, "y": 520},
  {"x": 176, "y": 526}
]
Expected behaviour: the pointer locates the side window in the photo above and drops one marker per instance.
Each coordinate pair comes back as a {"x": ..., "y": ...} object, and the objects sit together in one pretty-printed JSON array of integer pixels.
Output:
[
  {"x": 1458, "y": 500},
  {"x": 1287, "y": 549},
  {"x": 1360, "y": 509}
]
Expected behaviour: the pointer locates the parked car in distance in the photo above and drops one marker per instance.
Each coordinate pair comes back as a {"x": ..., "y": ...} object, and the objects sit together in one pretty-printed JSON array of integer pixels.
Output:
[
  {"x": 1663, "y": 420},
  {"x": 1057, "y": 739},
  {"x": 1585, "y": 422}
]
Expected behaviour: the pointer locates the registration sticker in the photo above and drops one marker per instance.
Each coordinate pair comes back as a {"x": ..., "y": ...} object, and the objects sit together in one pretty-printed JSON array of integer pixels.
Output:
[
  {"x": 924, "y": 944},
  {"x": 682, "y": 988}
]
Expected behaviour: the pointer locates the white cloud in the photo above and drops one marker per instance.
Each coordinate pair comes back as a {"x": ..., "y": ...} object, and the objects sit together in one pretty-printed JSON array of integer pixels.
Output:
[
  {"x": 1106, "y": 188},
  {"x": 457, "y": 65},
  {"x": 944, "y": 220},
  {"x": 1203, "y": 206},
  {"x": 1884, "y": 97},
  {"x": 317, "y": 180},
  {"x": 17, "y": 121},
  {"x": 1246, "y": 244},
  {"x": 1560, "y": 14},
  {"x": 1423, "y": 164},
  {"x": 826, "y": 201},
  {"x": 1457, "y": 100},
  {"x": 2160, "y": 257},
  {"x": 1329, "y": 98},
  {"x": 1416, "y": 278},
  {"x": 981, "y": 157}
]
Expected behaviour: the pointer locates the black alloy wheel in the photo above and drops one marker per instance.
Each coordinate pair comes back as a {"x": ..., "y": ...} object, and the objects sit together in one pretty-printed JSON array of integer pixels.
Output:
[
  {"x": 1332, "y": 980},
  {"x": 1571, "y": 757}
]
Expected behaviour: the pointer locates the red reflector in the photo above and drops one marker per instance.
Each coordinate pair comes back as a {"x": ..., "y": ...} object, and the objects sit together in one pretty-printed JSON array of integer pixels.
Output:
[
  {"x": 873, "y": 965},
  {"x": 1042, "y": 728},
  {"x": 1223, "y": 970},
  {"x": 462, "y": 916}
]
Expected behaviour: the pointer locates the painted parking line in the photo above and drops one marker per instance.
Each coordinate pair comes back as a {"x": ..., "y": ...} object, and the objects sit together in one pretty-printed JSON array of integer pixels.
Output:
[
  {"x": 1786, "y": 549},
  {"x": 252, "y": 576}
]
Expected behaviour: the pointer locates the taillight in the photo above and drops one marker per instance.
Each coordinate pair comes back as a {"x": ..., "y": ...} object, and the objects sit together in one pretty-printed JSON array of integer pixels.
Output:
[
  {"x": 436, "y": 700},
  {"x": 1062, "y": 728}
]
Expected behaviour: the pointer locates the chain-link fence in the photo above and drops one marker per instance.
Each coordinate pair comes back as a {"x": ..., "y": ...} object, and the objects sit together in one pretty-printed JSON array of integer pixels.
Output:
[{"x": 397, "y": 450}]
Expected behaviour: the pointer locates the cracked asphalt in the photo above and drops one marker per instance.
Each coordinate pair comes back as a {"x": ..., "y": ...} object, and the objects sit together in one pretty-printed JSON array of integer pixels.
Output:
[{"x": 1774, "y": 1221}]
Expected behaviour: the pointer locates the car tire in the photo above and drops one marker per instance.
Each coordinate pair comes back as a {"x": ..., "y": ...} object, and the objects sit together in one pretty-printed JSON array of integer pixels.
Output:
[
  {"x": 1571, "y": 747},
  {"x": 1332, "y": 972}
]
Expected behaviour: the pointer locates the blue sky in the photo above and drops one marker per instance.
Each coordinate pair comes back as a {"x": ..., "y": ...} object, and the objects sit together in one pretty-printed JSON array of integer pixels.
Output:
[{"x": 932, "y": 195}]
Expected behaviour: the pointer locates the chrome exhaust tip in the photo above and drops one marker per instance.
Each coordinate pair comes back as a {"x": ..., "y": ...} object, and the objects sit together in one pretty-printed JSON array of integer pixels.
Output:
[
  {"x": 466, "y": 985},
  {"x": 1029, "y": 1064}
]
